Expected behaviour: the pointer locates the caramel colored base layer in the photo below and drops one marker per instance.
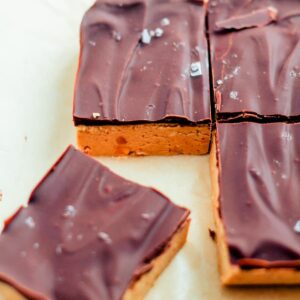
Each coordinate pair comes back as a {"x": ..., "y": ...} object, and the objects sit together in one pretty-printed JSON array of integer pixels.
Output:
[
  {"x": 143, "y": 139},
  {"x": 233, "y": 274},
  {"x": 139, "y": 288}
]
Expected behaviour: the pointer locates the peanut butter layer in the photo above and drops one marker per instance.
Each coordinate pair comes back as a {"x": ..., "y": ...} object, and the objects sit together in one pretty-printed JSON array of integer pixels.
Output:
[{"x": 146, "y": 139}]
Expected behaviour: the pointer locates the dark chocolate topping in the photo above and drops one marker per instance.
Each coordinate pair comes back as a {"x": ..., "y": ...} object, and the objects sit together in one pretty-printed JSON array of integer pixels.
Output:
[
  {"x": 256, "y": 70},
  {"x": 136, "y": 63},
  {"x": 259, "y": 174},
  {"x": 86, "y": 234}
]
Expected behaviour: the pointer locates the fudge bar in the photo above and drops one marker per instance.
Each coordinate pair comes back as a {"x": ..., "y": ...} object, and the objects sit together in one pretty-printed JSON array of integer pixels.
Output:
[
  {"x": 255, "y": 59},
  {"x": 89, "y": 234},
  {"x": 255, "y": 170},
  {"x": 142, "y": 86}
]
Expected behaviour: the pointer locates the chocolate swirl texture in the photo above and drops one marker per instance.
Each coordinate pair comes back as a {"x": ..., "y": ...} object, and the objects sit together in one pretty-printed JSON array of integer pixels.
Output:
[
  {"x": 122, "y": 79},
  {"x": 259, "y": 173},
  {"x": 86, "y": 234},
  {"x": 256, "y": 58}
]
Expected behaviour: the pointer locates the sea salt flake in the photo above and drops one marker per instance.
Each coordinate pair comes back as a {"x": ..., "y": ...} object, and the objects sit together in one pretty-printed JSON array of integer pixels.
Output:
[
  {"x": 219, "y": 82},
  {"x": 36, "y": 246},
  {"x": 70, "y": 211},
  {"x": 104, "y": 237},
  {"x": 69, "y": 237},
  {"x": 233, "y": 73},
  {"x": 196, "y": 69},
  {"x": 159, "y": 32},
  {"x": 117, "y": 36},
  {"x": 165, "y": 22},
  {"x": 234, "y": 95},
  {"x": 79, "y": 237},
  {"x": 96, "y": 115},
  {"x": 150, "y": 106},
  {"x": 287, "y": 136},
  {"x": 276, "y": 162},
  {"x": 92, "y": 43},
  {"x": 30, "y": 222},
  {"x": 148, "y": 216},
  {"x": 293, "y": 74},
  {"x": 146, "y": 37},
  {"x": 58, "y": 250},
  {"x": 236, "y": 71},
  {"x": 297, "y": 226}
]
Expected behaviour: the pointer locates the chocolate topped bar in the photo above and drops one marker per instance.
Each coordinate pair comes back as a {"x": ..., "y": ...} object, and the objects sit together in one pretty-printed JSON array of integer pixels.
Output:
[
  {"x": 143, "y": 61},
  {"x": 259, "y": 194},
  {"x": 256, "y": 58},
  {"x": 86, "y": 233}
]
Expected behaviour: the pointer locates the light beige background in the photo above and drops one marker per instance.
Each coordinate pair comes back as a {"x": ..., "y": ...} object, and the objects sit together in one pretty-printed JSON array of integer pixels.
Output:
[{"x": 39, "y": 44}]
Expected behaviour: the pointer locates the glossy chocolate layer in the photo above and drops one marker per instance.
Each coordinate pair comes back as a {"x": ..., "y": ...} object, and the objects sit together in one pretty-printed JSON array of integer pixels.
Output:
[
  {"x": 256, "y": 58},
  {"x": 123, "y": 77},
  {"x": 86, "y": 234},
  {"x": 259, "y": 175}
]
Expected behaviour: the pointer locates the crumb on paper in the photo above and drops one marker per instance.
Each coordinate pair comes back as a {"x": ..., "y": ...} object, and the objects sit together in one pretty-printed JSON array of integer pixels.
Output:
[{"x": 212, "y": 234}]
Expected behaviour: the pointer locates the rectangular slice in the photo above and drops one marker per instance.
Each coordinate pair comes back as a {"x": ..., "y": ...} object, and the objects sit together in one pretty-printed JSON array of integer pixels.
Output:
[
  {"x": 255, "y": 59},
  {"x": 89, "y": 234},
  {"x": 142, "y": 86},
  {"x": 255, "y": 170}
]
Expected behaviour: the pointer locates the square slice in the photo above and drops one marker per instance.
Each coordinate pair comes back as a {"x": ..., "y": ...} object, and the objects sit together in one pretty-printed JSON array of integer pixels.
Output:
[
  {"x": 89, "y": 234},
  {"x": 256, "y": 59},
  {"x": 142, "y": 86},
  {"x": 255, "y": 170}
]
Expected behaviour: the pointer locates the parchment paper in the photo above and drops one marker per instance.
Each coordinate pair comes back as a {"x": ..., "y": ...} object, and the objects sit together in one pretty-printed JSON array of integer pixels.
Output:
[{"x": 39, "y": 45}]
